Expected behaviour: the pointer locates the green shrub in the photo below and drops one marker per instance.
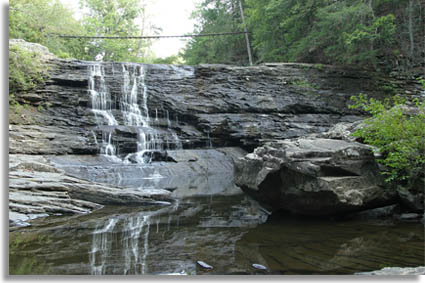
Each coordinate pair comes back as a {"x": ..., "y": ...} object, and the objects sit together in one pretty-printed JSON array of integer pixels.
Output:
[
  {"x": 398, "y": 134},
  {"x": 26, "y": 70}
]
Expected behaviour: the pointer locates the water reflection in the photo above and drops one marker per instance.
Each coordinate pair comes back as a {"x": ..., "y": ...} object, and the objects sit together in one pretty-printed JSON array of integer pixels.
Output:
[{"x": 227, "y": 233}]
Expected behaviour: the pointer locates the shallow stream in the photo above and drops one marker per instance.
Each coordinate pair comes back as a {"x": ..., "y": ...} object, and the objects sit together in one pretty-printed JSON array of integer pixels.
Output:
[{"x": 230, "y": 233}]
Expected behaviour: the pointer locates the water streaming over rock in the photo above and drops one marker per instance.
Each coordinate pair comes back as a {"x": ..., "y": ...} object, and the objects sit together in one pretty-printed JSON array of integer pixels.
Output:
[
  {"x": 209, "y": 142},
  {"x": 134, "y": 112},
  {"x": 102, "y": 106}
]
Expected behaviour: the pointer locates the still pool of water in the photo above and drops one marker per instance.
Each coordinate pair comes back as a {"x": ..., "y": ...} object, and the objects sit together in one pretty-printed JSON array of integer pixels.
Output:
[{"x": 229, "y": 233}]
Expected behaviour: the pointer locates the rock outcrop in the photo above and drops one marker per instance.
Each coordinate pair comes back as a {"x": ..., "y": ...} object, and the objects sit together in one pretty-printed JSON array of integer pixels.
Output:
[
  {"x": 224, "y": 105},
  {"x": 37, "y": 189},
  {"x": 204, "y": 106},
  {"x": 314, "y": 176}
]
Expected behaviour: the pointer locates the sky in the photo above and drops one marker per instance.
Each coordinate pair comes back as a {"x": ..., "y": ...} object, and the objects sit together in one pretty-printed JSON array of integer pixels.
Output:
[{"x": 172, "y": 16}]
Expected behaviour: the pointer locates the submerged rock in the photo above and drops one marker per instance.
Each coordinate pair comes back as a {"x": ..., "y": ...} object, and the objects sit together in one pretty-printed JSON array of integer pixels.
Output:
[
  {"x": 410, "y": 216},
  {"x": 378, "y": 213},
  {"x": 389, "y": 271},
  {"x": 314, "y": 176}
]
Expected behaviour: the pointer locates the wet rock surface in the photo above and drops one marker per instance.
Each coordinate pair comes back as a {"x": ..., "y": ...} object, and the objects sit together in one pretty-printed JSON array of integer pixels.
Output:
[
  {"x": 207, "y": 104},
  {"x": 191, "y": 173},
  {"x": 389, "y": 271},
  {"x": 37, "y": 188},
  {"x": 314, "y": 176}
]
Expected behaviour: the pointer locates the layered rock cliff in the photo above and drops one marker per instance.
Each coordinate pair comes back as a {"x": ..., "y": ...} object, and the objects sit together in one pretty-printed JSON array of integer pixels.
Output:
[
  {"x": 234, "y": 106},
  {"x": 203, "y": 107}
]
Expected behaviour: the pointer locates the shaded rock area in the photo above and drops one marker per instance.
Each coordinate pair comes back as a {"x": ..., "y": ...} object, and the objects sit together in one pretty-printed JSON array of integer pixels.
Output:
[
  {"x": 314, "y": 176},
  {"x": 37, "y": 188},
  {"x": 412, "y": 199}
]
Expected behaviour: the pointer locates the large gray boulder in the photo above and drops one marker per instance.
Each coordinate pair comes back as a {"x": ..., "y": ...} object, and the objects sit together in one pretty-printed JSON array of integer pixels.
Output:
[{"x": 314, "y": 176}]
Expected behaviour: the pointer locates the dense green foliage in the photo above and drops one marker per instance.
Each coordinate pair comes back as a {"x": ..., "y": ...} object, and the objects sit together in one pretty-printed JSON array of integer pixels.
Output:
[
  {"x": 173, "y": 59},
  {"x": 37, "y": 21},
  {"x": 216, "y": 16},
  {"x": 380, "y": 34},
  {"x": 114, "y": 18},
  {"x": 398, "y": 132},
  {"x": 25, "y": 69},
  {"x": 40, "y": 21}
]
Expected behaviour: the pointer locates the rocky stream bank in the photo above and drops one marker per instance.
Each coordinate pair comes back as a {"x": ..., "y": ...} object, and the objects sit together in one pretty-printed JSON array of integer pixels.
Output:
[
  {"x": 283, "y": 111},
  {"x": 101, "y": 134}
]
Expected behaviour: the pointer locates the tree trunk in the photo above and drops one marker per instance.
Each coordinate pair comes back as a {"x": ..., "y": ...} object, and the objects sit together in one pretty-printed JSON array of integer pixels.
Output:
[{"x": 412, "y": 42}]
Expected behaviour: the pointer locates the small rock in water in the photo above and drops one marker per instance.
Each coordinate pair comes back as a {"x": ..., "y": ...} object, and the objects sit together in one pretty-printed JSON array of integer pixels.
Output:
[
  {"x": 204, "y": 265},
  {"x": 259, "y": 266},
  {"x": 410, "y": 216}
]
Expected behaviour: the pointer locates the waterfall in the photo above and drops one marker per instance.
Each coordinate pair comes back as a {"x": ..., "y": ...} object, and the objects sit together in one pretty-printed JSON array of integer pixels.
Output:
[
  {"x": 209, "y": 143},
  {"x": 133, "y": 76},
  {"x": 133, "y": 106},
  {"x": 147, "y": 138},
  {"x": 102, "y": 106}
]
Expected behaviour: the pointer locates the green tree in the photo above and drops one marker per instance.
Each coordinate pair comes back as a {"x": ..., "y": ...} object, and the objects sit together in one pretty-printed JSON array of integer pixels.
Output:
[
  {"x": 38, "y": 20},
  {"x": 26, "y": 70},
  {"x": 217, "y": 16},
  {"x": 114, "y": 18},
  {"x": 379, "y": 34},
  {"x": 173, "y": 59}
]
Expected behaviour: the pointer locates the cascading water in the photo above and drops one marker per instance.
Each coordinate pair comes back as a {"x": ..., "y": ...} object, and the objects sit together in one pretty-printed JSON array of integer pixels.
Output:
[
  {"x": 102, "y": 106},
  {"x": 209, "y": 142},
  {"x": 133, "y": 84},
  {"x": 134, "y": 111},
  {"x": 129, "y": 236}
]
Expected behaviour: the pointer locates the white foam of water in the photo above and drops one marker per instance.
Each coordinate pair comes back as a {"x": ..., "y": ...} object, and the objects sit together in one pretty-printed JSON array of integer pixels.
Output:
[
  {"x": 149, "y": 139},
  {"x": 101, "y": 106}
]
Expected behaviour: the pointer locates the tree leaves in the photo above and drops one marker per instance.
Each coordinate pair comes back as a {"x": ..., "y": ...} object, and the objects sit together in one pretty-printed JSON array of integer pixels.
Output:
[{"x": 398, "y": 134}]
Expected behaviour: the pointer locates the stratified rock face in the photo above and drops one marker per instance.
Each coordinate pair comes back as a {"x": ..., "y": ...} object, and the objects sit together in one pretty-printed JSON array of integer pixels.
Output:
[
  {"x": 204, "y": 105},
  {"x": 314, "y": 176},
  {"x": 38, "y": 189}
]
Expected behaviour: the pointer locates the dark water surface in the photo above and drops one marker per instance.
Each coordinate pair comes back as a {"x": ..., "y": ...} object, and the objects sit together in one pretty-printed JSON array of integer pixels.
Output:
[{"x": 229, "y": 233}]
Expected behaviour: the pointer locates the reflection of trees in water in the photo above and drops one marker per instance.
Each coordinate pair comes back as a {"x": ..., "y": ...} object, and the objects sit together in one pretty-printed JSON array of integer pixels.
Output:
[{"x": 335, "y": 248}]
